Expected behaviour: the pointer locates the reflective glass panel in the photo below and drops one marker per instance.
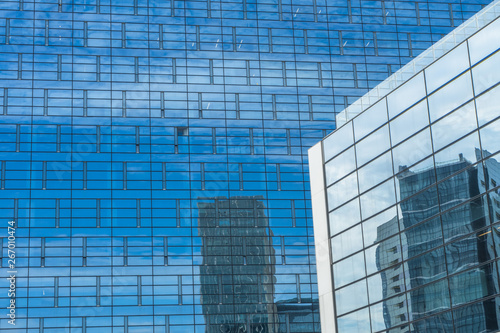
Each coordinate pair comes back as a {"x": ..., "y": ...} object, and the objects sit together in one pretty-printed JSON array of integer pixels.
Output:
[
  {"x": 375, "y": 172},
  {"x": 340, "y": 166},
  {"x": 485, "y": 74},
  {"x": 391, "y": 312},
  {"x": 426, "y": 268},
  {"x": 484, "y": 42},
  {"x": 370, "y": 119},
  {"x": 454, "y": 126},
  {"x": 339, "y": 141},
  {"x": 386, "y": 284},
  {"x": 450, "y": 96},
  {"x": 371, "y": 226},
  {"x": 429, "y": 299},
  {"x": 406, "y": 95},
  {"x": 447, "y": 67},
  {"x": 349, "y": 269},
  {"x": 477, "y": 317},
  {"x": 373, "y": 145},
  {"x": 345, "y": 300},
  {"x": 342, "y": 191},
  {"x": 487, "y": 106},
  {"x": 344, "y": 217},
  {"x": 490, "y": 135},
  {"x": 346, "y": 243},
  {"x": 383, "y": 255},
  {"x": 411, "y": 180},
  {"x": 412, "y": 151},
  {"x": 356, "y": 322},
  {"x": 378, "y": 199},
  {"x": 474, "y": 284},
  {"x": 422, "y": 238},
  {"x": 410, "y": 122}
]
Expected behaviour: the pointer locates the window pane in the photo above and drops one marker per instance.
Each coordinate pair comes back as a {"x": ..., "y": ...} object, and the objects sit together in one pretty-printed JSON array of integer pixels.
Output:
[
  {"x": 450, "y": 96},
  {"x": 412, "y": 151},
  {"x": 398, "y": 316},
  {"x": 342, "y": 191},
  {"x": 346, "y": 243},
  {"x": 384, "y": 254},
  {"x": 349, "y": 269},
  {"x": 457, "y": 156},
  {"x": 488, "y": 106},
  {"x": 447, "y": 67},
  {"x": 345, "y": 301},
  {"x": 386, "y": 284},
  {"x": 373, "y": 145},
  {"x": 340, "y": 166},
  {"x": 474, "y": 284},
  {"x": 412, "y": 180},
  {"x": 356, "y": 322},
  {"x": 372, "y": 225},
  {"x": 406, "y": 95},
  {"x": 339, "y": 141},
  {"x": 375, "y": 172},
  {"x": 420, "y": 207},
  {"x": 344, "y": 217},
  {"x": 370, "y": 119},
  {"x": 484, "y": 42},
  {"x": 426, "y": 268},
  {"x": 486, "y": 74},
  {"x": 490, "y": 138},
  {"x": 409, "y": 123},
  {"x": 378, "y": 199},
  {"x": 454, "y": 126},
  {"x": 430, "y": 299},
  {"x": 422, "y": 238}
]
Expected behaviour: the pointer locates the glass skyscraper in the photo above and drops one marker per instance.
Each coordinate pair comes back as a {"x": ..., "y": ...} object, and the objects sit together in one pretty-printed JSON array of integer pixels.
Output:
[
  {"x": 406, "y": 195},
  {"x": 153, "y": 153}
]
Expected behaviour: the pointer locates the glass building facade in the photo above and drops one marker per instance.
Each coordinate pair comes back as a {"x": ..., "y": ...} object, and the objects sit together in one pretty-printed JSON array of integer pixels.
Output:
[
  {"x": 153, "y": 152},
  {"x": 406, "y": 196}
]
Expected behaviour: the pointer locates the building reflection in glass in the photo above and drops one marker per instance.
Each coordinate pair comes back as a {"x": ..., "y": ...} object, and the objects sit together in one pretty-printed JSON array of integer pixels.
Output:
[
  {"x": 458, "y": 215},
  {"x": 238, "y": 267}
]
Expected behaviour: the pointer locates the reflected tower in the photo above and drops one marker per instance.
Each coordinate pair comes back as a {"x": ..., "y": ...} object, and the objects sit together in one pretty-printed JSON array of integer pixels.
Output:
[{"x": 237, "y": 271}]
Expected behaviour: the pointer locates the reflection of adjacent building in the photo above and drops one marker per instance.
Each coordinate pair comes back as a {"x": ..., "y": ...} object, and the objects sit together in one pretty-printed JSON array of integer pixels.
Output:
[
  {"x": 465, "y": 251},
  {"x": 237, "y": 272},
  {"x": 296, "y": 317}
]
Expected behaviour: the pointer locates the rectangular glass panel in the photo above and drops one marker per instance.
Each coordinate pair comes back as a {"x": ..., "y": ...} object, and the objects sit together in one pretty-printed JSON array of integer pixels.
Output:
[
  {"x": 349, "y": 269},
  {"x": 422, "y": 238},
  {"x": 412, "y": 151},
  {"x": 474, "y": 284},
  {"x": 486, "y": 74},
  {"x": 406, "y": 95},
  {"x": 484, "y": 42},
  {"x": 429, "y": 299},
  {"x": 370, "y": 119},
  {"x": 487, "y": 106},
  {"x": 383, "y": 255},
  {"x": 356, "y": 322},
  {"x": 447, "y": 67},
  {"x": 337, "y": 142},
  {"x": 490, "y": 138},
  {"x": 454, "y": 126},
  {"x": 386, "y": 284},
  {"x": 345, "y": 301},
  {"x": 409, "y": 122},
  {"x": 344, "y": 217},
  {"x": 346, "y": 243},
  {"x": 450, "y": 96},
  {"x": 378, "y": 199},
  {"x": 373, "y": 145},
  {"x": 372, "y": 225},
  {"x": 425, "y": 268},
  {"x": 375, "y": 172},
  {"x": 457, "y": 156},
  {"x": 390, "y": 313},
  {"x": 342, "y": 191},
  {"x": 340, "y": 166}
]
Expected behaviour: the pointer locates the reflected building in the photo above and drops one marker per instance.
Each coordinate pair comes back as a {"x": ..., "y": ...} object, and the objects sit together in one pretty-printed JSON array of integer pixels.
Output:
[
  {"x": 237, "y": 271},
  {"x": 405, "y": 194},
  {"x": 294, "y": 316}
]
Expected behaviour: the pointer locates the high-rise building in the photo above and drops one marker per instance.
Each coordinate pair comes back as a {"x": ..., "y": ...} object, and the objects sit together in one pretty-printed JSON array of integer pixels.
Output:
[
  {"x": 405, "y": 195},
  {"x": 124, "y": 122}
]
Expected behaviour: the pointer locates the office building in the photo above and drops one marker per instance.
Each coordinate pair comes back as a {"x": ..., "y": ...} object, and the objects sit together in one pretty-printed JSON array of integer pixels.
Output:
[
  {"x": 123, "y": 122},
  {"x": 406, "y": 195}
]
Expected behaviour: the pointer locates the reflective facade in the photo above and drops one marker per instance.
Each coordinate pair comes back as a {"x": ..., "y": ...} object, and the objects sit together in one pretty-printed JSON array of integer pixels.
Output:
[
  {"x": 408, "y": 197},
  {"x": 153, "y": 152}
]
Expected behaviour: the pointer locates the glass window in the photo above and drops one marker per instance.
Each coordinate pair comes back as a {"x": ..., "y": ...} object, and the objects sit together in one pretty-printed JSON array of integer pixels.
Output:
[
  {"x": 345, "y": 301},
  {"x": 485, "y": 75},
  {"x": 447, "y": 67},
  {"x": 474, "y": 284},
  {"x": 356, "y": 322},
  {"x": 457, "y": 156},
  {"x": 349, "y": 269},
  {"x": 487, "y": 106},
  {"x": 375, "y": 172},
  {"x": 422, "y": 238},
  {"x": 469, "y": 251},
  {"x": 378, "y": 199},
  {"x": 406, "y": 95},
  {"x": 346, "y": 243},
  {"x": 471, "y": 318},
  {"x": 339, "y": 141},
  {"x": 421, "y": 206},
  {"x": 450, "y": 96},
  {"x": 429, "y": 299},
  {"x": 454, "y": 126},
  {"x": 386, "y": 284},
  {"x": 342, "y": 191},
  {"x": 340, "y": 166},
  {"x": 372, "y": 225},
  {"x": 425, "y": 268},
  {"x": 370, "y": 119},
  {"x": 411, "y": 180},
  {"x": 373, "y": 145},
  {"x": 384, "y": 254},
  {"x": 398, "y": 315},
  {"x": 344, "y": 217},
  {"x": 409, "y": 123},
  {"x": 412, "y": 151},
  {"x": 484, "y": 42},
  {"x": 442, "y": 321},
  {"x": 490, "y": 138}
]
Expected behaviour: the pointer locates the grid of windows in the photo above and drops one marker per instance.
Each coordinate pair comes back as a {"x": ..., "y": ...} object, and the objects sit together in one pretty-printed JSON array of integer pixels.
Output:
[
  {"x": 153, "y": 152},
  {"x": 412, "y": 196}
]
